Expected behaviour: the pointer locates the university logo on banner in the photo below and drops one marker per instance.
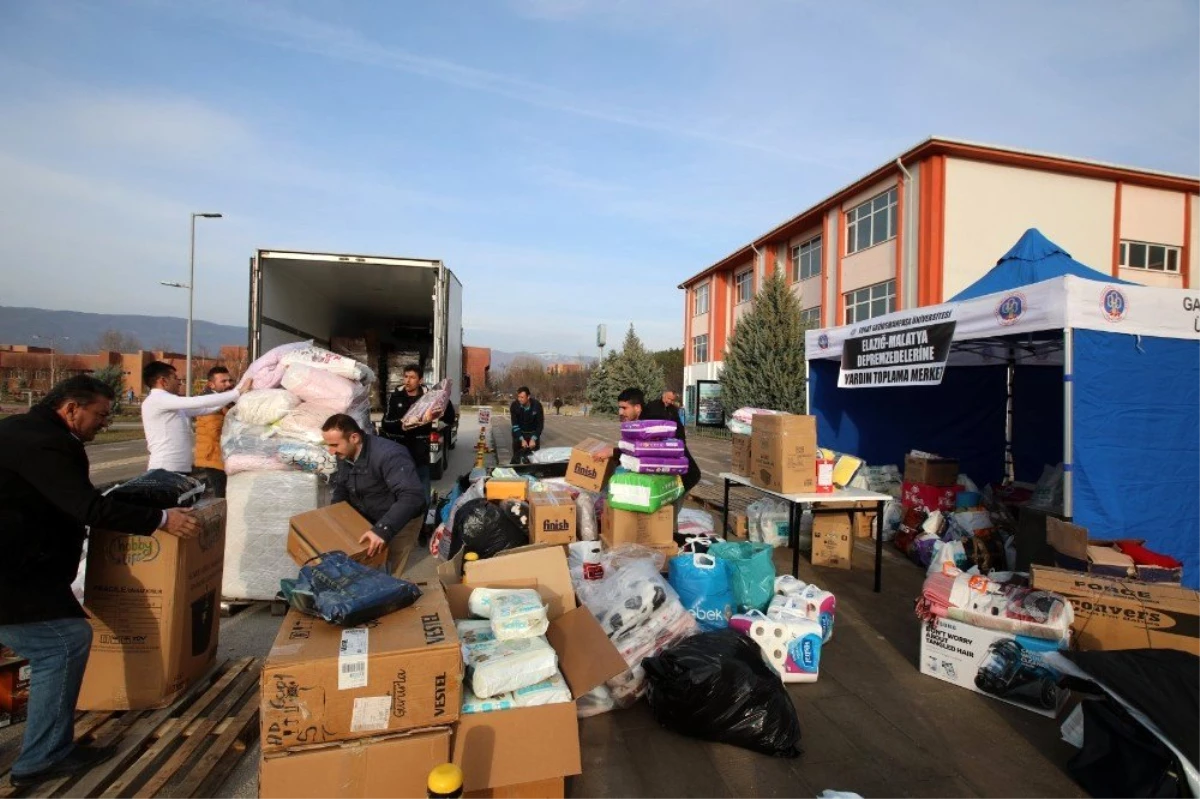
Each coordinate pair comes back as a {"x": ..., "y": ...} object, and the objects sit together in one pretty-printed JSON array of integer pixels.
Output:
[
  {"x": 909, "y": 351},
  {"x": 1113, "y": 304}
]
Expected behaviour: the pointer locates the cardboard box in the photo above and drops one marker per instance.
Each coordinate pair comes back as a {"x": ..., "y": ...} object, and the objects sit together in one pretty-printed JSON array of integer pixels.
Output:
[
  {"x": 388, "y": 766},
  {"x": 993, "y": 663},
  {"x": 631, "y": 527},
  {"x": 742, "y": 463},
  {"x": 832, "y": 540},
  {"x": 552, "y": 517},
  {"x": 928, "y": 498},
  {"x": 540, "y": 566},
  {"x": 931, "y": 471},
  {"x": 587, "y": 469},
  {"x": 1113, "y": 614},
  {"x": 498, "y": 488},
  {"x": 864, "y": 520},
  {"x": 322, "y": 683},
  {"x": 741, "y": 526},
  {"x": 783, "y": 452},
  {"x": 542, "y": 789},
  {"x": 337, "y": 527},
  {"x": 1075, "y": 550},
  {"x": 525, "y": 745},
  {"x": 155, "y": 607},
  {"x": 14, "y": 691}
]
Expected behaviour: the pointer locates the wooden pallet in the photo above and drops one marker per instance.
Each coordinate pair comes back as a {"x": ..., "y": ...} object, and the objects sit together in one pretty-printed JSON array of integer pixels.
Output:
[{"x": 186, "y": 749}]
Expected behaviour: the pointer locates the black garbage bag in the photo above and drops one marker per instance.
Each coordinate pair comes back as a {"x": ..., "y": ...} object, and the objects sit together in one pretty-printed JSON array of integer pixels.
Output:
[
  {"x": 716, "y": 686},
  {"x": 159, "y": 489},
  {"x": 345, "y": 592},
  {"x": 518, "y": 510},
  {"x": 485, "y": 528}
]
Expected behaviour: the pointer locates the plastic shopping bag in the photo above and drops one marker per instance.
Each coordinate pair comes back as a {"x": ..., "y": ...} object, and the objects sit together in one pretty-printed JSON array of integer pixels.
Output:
[
  {"x": 703, "y": 585},
  {"x": 752, "y": 572}
]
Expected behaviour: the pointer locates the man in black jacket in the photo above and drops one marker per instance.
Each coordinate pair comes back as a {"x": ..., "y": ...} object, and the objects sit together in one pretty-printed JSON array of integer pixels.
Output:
[
  {"x": 631, "y": 406},
  {"x": 376, "y": 476},
  {"x": 665, "y": 408},
  {"x": 528, "y": 421},
  {"x": 47, "y": 502},
  {"x": 415, "y": 439}
]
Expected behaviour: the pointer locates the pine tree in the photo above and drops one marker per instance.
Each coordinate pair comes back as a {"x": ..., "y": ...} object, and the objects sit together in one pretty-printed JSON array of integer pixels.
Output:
[
  {"x": 637, "y": 368},
  {"x": 764, "y": 362},
  {"x": 601, "y": 394}
]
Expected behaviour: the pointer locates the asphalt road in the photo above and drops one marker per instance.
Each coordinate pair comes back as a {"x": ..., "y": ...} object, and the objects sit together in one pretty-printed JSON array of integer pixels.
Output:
[{"x": 121, "y": 460}]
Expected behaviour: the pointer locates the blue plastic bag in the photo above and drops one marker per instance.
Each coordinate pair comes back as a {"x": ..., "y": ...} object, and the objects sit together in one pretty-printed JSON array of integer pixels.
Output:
[
  {"x": 752, "y": 572},
  {"x": 703, "y": 585}
]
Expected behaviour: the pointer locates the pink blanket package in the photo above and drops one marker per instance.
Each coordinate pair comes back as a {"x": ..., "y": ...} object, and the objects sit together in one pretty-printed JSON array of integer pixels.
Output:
[
  {"x": 647, "y": 430},
  {"x": 430, "y": 406}
]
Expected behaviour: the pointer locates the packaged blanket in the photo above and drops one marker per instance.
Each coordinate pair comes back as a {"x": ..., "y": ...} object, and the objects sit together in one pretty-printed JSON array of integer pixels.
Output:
[
  {"x": 429, "y": 406},
  {"x": 304, "y": 423},
  {"x": 323, "y": 388},
  {"x": 265, "y": 407},
  {"x": 648, "y": 430},
  {"x": 643, "y": 493},
  {"x": 498, "y": 667},
  {"x": 331, "y": 362},
  {"x": 655, "y": 448},
  {"x": 267, "y": 370},
  {"x": 651, "y": 465}
]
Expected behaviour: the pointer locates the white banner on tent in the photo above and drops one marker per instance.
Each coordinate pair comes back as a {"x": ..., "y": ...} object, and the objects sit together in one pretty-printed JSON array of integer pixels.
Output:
[
  {"x": 903, "y": 350},
  {"x": 1139, "y": 310}
]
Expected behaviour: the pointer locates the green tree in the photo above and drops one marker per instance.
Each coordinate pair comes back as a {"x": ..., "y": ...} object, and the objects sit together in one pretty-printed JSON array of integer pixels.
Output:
[
  {"x": 636, "y": 368},
  {"x": 671, "y": 362},
  {"x": 112, "y": 376},
  {"x": 764, "y": 360},
  {"x": 601, "y": 392}
]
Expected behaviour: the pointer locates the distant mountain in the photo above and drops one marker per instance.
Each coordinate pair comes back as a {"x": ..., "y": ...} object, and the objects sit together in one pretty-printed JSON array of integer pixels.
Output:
[
  {"x": 502, "y": 360},
  {"x": 78, "y": 332}
]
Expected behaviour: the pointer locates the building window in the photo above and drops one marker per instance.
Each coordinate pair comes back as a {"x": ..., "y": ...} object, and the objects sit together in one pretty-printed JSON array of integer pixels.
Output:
[
  {"x": 806, "y": 259},
  {"x": 700, "y": 349},
  {"x": 811, "y": 317},
  {"x": 744, "y": 286},
  {"x": 869, "y": 302},
  {"x": 1152, "y": 257},
  {"x": 871, "y": 223},
  {"x": 700, "y": 300}
]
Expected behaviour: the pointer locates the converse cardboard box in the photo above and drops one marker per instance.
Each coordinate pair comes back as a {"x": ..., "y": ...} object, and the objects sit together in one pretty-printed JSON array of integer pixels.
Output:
[
  {"x": 155, "y": 612},
  {"x": 832, "y": 540},
  {"x": 741, "y": 461},
  {"x": 1112, "y": 613},
  {"x": 783, "y": 451},
  {"x": 396, "y": 765},
  {"x": 1075, "y": 550},
  {"x": 323, "y": 683},
  {"x": 337, "y": 527},
  {"x": 552, "y": 517},
  {"x": 592, "y": 463},
  {"x": 993, "y": 663}
]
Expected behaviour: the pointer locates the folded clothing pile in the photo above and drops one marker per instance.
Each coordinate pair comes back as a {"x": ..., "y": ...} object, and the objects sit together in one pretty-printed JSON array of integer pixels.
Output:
[
  {"x": 649, "y": 446},
  {"x": 1002, "y": 603}
]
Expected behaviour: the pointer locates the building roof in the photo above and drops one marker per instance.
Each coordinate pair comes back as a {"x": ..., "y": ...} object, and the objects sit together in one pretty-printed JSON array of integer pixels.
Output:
[{"x": 942, "y": 145}]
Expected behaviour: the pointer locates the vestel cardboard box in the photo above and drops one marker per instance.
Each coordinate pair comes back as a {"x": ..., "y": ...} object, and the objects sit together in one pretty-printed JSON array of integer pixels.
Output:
[
  {"x": 542, "y": 789},
  {"x": 741, "y": 462},
  {"x": 14, "y": 691},
  {"x": 631, "y": 527},
  {"x": 552, "y": 517},
  {"x": 832, "y": 540},
  {"x": 1074, "y": 550},
  {"x": 783, "y": 450},
  {"x": 337, "y": 527},
  {"x": 930, "y": 471},
  {"x": 322, "y": 683},
  {"x": 993, "y": 663},
  {"x": 588, "y": 469},
  {"x": 155, "y": 607},
  {"x": 524, "y": 745},
  {"x": 1112, "y": 613},
  {"x": 387, "y": 766}
]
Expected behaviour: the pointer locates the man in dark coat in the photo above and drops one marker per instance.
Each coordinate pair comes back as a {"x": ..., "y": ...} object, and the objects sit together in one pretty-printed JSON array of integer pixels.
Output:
[
  {"x": 47, "y": 502},
  {"x": 528, "y": 421},
  {"x": 376, "y": 476},
  {"x": 666, "y": 408},
  {"x": 415, "y": 439}
]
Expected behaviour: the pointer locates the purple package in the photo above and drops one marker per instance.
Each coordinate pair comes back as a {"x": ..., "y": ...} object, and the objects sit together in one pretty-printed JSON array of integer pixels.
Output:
[
  {"x": 655, "y": 465},
  {"x": 661, "y": 448},
  {"x": 647, "y": 430}
]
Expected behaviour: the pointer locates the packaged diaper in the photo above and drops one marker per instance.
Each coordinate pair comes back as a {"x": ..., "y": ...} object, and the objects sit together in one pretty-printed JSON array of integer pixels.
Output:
[
  {"x": 518, "y": 614},
  {"x": 546, "y": 692},
  {"x": 642, "y": 493},
  {"x": 473, "y": 704},
  {"x": 497, "y": 667},
  {"x": 480, "y": 602}
]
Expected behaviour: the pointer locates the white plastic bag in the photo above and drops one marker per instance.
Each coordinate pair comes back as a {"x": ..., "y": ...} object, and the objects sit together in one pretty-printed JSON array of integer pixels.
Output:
[
  {"x": 585, "y": 515},
  {"x": 694, "y": 522},
  {"x": 265, "y": 407},
  {"x": 551, "y": 455},
  {"x": 768, "y": 522}
]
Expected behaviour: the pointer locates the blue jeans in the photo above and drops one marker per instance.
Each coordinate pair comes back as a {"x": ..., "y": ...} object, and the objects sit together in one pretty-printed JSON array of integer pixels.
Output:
[
  {"x": 57, "y": 652},
  {"x": 423, "y": 474}
]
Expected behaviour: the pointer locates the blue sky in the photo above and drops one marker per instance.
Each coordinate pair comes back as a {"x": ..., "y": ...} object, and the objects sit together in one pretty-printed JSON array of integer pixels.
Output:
[{"x": 572, "y": 160}]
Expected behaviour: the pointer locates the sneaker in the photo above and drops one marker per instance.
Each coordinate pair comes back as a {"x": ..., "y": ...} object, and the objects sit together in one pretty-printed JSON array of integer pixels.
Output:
[{"x": 80, "y": 759}]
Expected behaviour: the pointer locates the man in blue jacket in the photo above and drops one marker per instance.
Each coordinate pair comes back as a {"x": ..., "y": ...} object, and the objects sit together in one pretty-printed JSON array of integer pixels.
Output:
[
  {"x": 528, "y": 420},
  {"x": 376, "y": 476}
]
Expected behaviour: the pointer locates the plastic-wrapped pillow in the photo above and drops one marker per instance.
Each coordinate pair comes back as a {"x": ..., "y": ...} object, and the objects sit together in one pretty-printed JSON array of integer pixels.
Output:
[
  {"x": 322, "y": 387},
  {"x": 265, "y": 407}
]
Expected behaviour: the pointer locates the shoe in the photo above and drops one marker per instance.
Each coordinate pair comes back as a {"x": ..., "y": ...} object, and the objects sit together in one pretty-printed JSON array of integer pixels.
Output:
[{"x": 80, "y": 759}]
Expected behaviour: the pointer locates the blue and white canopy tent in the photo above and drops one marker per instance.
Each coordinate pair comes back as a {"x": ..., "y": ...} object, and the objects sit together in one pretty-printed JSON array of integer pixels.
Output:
[{"x": 1045, "y": 361}]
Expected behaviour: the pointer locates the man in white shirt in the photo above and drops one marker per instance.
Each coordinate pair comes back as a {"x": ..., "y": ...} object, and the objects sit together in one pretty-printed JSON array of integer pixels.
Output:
[{"x": 166, "y": 417}]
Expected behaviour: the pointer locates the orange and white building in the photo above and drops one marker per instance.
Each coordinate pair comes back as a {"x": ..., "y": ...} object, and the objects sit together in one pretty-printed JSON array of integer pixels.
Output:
[{"x": 922, "y": 227}]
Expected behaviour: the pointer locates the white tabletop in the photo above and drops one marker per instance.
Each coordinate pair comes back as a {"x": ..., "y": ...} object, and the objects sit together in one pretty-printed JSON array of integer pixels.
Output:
[{"x": 837, "y": 495}]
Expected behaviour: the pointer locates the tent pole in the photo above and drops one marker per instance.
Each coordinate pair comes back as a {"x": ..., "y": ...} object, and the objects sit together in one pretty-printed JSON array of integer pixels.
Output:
[
  {"x": 1010, "y": 471},
  {"x": 1068, "y": 422}
]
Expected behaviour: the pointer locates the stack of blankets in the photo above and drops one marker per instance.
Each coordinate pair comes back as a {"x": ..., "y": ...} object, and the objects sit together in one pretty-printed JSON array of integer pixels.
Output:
[{"x": 650, "y": 447}]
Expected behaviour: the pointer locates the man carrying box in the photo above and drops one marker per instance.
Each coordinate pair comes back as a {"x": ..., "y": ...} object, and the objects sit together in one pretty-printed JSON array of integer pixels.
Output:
[
  {"x": 631, "y": 408},
  {"x": 47, "y": 503}
]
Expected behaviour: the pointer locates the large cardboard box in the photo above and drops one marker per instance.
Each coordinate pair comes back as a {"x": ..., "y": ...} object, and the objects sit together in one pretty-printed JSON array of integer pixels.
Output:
[
  {"x": 322, "y": 683},
  {"x": 542, "y": 789},
  {"x": 592, "y": 463},
  {"x": 155, "y": 607},
  {"x": 631, "y": 527},
  {"x": 498, "y": 488},
  {"x": 524, "y": 745},
  {"x": 1075, "y": 550},
  {"x": 14, "y": 691},
  {"x": 1112, "y": 613},
  {"x": 993, "y": 663},
  {"x": 387, "y": 766},
  {"x": 552, "y": 517},
  {"x": 930, "y": 471},
  {"x": 783, "y": 450},
  {"x": 337, "y": 527},
  {"x": 741, "y": 461},
  {"x": 832, "y": 540}
]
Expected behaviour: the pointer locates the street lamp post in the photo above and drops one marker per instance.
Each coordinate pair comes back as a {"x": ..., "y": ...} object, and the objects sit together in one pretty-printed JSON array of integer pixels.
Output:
[{"x": 191, "y": 287}]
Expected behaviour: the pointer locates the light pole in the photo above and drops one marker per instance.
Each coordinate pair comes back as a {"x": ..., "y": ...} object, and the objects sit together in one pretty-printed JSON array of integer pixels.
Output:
[{"x": 191, "y": 287}]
